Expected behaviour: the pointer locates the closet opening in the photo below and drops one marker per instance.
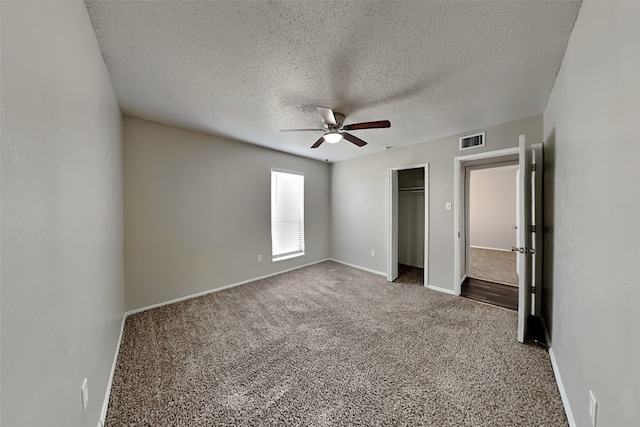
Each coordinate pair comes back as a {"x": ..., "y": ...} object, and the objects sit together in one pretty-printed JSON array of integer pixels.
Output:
[
  {"x": 411, "y": 226},
  {"x": 408, "y": 253}
]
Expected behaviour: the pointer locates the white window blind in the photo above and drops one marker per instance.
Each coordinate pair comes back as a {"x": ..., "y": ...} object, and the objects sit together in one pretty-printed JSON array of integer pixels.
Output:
[{"x": 287, "y": 214}]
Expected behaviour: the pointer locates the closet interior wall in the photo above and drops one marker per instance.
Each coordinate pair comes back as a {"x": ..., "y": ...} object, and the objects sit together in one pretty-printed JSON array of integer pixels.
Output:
[{"x": 411, "y": 217}]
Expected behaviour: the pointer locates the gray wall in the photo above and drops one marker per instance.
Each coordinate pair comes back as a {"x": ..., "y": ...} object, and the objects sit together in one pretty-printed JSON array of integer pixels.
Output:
[
  {"x": 359, "y": 199},
  {"x": 592, "y": 157},
  {"x": 492, "y": 207},
  {"x": 411, "y": 229},
  {"x": 62, "y": 269},
  {"x": 197, "y": 211},
  {"x": 411, "y": 217}
]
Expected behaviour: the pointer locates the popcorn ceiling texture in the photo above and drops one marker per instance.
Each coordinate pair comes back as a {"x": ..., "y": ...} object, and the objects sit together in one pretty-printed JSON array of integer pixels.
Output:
[
  {"x": 330, "y": 345},
  {"x": 246, "y": 69}
]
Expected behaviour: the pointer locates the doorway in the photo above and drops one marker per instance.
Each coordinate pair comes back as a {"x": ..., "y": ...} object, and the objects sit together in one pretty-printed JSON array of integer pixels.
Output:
[
  {"x": 408, "y": 225},
  {"x": 411, "y": 211},
  {"x": 491, "y": 212},
  {"x": 529, "y": 251}
]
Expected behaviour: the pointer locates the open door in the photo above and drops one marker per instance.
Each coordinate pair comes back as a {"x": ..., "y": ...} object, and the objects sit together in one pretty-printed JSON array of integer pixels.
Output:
[
  {"x": 529, "y": 215},
  {"x": 536, "y": 182},
  {"x": 529, "y": 259},
  {"x": 393, "y": 226}
]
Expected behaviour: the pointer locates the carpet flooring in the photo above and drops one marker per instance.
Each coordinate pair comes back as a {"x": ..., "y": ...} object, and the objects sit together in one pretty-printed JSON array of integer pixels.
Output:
[
  {"x": 408, "y": 275},
  {"x": 493, "y": 266},
  {"x": 330, "y": 345}
]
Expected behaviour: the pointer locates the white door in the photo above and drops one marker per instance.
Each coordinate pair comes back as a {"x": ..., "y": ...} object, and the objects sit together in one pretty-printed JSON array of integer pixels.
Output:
[
  {"x": 526, "y": 221},
  {"x": 536, "y": 199},
  {"x": 393, "y": 226}
]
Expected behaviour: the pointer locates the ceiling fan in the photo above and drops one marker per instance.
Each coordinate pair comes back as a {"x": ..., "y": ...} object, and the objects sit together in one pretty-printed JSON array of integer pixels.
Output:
[{"x": 334, "y": 130}]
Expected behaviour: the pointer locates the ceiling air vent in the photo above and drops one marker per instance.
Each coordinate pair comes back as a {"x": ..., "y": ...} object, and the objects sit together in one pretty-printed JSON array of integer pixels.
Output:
[{"x": 472, "y": 141}]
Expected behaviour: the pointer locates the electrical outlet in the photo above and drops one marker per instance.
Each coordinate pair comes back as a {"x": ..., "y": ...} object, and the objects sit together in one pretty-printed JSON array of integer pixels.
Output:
[
  {"x": 593, "y": 408},
  {"x": 84, "y": 391},
  {"x": 259, "y": 258},
  {"x": 373, "y": 254}
]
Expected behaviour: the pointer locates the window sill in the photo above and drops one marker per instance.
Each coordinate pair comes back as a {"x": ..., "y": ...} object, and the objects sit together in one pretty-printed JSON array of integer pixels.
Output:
[{"x": 286, "y": 257}]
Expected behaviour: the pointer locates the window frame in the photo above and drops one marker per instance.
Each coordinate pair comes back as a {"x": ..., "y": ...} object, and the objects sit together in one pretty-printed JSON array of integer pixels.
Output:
[{"x": 301, "y": 227}]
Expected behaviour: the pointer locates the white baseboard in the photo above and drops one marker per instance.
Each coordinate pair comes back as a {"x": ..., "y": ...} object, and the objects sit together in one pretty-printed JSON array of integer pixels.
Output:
[
  {"x": 439, "y": 289},
  {"x": 379, "y": 273},
  {"x": 563, "y": 393},
  {"x": 222, "y": 288},
  {"x": 489, "y": 248},
  {"x": 556, "y": 373},
  {"x": 105, "y": 404}
]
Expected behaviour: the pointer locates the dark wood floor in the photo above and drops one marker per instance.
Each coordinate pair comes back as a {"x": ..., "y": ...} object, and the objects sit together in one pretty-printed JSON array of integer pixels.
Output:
[{"x": 491, "y": 293}]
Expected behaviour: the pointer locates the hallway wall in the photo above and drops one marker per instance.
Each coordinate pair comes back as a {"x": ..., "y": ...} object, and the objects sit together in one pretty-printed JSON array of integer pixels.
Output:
[{"x": 592, "y": 152}]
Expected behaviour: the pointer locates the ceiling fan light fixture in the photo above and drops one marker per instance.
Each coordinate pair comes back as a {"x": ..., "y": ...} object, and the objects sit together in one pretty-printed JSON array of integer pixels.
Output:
[
  {"x": 334, "y": 131},
  {"x": 333, "y": 137}
]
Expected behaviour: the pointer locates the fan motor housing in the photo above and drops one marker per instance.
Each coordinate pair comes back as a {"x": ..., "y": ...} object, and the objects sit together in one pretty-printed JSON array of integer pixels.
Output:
[{"x": 339, "y": 120}]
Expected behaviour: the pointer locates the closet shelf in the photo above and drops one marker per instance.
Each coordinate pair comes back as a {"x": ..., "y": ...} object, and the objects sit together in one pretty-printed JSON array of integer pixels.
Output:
[{"x": 411, "y": 189}]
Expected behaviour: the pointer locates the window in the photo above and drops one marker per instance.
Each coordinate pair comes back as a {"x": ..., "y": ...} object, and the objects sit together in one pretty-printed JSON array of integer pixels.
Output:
[{"x": 287, "y": 215}]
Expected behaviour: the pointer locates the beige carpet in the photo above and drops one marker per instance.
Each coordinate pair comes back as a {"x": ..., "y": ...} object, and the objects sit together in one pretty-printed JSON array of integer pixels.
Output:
[
  {"x": 408, "y": 275},
  {"x": 330, "y": 345},
  {"x": 494, "y": 266}
]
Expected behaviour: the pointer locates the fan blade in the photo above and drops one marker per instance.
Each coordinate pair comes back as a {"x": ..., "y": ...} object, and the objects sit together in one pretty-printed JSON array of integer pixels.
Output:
[
  {"x": 353, "y": 139},
  {"x": 302, "y": 130},
  {"x": 368, "y": 125},
  {"x": 318, "y": 142},
  {"x": 327, "y": 115}
]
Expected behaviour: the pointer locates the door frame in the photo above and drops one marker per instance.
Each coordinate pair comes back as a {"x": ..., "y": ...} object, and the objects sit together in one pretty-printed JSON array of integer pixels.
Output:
[
  {"x": 460, "y": 234},
  {"x": 393, "y": 252},
  {"x": 467, "y": 208}
]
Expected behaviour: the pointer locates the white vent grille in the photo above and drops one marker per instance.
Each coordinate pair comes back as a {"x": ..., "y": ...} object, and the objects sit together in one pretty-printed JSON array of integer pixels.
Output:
[{"x": 472, "y": 141}]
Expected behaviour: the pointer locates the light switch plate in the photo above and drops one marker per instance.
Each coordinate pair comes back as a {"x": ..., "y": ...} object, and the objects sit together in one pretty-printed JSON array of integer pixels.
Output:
[{"x": 447, "y": 206}]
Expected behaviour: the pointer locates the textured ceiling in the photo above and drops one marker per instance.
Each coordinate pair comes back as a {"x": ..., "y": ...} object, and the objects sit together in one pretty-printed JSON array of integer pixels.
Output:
[{"x": 244, "y": 70}]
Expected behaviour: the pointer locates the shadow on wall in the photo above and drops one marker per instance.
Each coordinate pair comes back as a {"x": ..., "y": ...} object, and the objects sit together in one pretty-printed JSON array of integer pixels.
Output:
[{"x": 548, "y": 227}]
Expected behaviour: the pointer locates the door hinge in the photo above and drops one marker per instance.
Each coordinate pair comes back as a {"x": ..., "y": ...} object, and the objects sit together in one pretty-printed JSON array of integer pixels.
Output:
[
  {"x": 533, "y": 167},
  {"x": 533, "y": 228},
  {"x": 523, "y": 250}
]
